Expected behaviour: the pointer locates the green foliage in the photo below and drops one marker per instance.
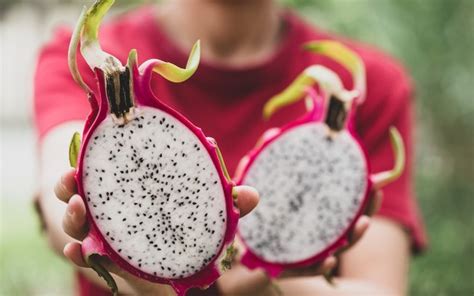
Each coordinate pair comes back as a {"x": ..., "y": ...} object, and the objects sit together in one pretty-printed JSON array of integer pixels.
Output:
[{"x": 446, "y": 268}]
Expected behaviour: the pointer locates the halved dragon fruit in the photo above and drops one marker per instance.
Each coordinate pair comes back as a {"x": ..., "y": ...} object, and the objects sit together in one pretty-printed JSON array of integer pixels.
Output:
[
  {"x": 313, "y": 174},
  {"x": 158, "y": 197}
]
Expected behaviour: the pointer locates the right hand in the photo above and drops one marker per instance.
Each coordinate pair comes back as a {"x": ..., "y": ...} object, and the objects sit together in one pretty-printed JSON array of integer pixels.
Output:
[{"x": 76, "y": 226}]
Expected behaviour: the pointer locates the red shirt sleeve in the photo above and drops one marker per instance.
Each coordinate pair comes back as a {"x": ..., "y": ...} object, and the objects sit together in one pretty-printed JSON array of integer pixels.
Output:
[
  {"x": 389, "y": 103},
  {"x": 57, "y": 98}
]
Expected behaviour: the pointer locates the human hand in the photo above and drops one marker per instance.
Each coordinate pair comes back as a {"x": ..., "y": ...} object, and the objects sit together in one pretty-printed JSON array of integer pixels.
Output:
[
  {"x": 75, "y": 225},
  {"x": 362, "y": 224}
]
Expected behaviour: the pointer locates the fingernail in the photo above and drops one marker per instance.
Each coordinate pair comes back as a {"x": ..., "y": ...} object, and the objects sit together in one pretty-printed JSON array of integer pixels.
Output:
[{"x": 65, "y": 249}]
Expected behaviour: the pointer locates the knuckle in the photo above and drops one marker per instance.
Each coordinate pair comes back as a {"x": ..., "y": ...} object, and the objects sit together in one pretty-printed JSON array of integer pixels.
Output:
[
  {"x": 69, "y": 227},
  {"x": 61, "y": 191},
  {"x": 58, "y": 190},
  {"x": 74, "y": 227}
]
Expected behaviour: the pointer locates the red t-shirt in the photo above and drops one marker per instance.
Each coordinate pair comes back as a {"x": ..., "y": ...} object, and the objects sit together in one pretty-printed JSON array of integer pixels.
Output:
[{"x": 227, "y": 102}]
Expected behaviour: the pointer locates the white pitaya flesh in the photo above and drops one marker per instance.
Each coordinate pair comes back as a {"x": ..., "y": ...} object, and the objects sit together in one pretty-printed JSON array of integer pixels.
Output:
[
  {"x": 327, "y": 183},
  {"x": 158, "y": 197}
]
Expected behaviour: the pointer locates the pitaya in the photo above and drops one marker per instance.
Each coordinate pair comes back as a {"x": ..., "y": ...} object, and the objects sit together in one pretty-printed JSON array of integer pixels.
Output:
[
  {"x": 313, "y": 174},
  {"x": 158, "y": 197}
]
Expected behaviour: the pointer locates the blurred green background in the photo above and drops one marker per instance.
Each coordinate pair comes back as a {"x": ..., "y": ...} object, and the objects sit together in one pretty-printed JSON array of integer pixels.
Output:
[{"x": 433, "y": 38}]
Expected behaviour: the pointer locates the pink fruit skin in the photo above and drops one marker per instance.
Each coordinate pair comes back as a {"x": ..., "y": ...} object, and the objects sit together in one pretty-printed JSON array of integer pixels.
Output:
[
  {"x": 273, "y": 269},
  {"x": 95, "y": 242}
]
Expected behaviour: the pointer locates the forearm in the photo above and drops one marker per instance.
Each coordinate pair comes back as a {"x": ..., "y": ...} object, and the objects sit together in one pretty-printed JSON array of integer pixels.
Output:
[
  {"x": 241, "y": 282},
  {"x": 376, "y": 265},
  {"x": 319, "y": 286}
]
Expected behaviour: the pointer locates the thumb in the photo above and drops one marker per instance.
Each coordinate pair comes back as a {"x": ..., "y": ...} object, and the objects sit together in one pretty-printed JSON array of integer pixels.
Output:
[{"x": 247, "y": 199}]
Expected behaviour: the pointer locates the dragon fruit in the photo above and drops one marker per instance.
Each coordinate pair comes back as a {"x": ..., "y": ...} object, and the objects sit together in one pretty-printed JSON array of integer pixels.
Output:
[
  {"x": 158, "y": 197},
  {"x": 313, "y": 174}
]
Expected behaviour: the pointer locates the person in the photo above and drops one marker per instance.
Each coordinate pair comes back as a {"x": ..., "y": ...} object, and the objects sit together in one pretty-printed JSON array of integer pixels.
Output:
[{"x": 251, "y": 50}]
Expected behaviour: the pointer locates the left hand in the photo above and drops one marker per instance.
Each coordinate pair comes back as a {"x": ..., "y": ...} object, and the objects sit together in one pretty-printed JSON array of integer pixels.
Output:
[{"x": 362, "y": 224}]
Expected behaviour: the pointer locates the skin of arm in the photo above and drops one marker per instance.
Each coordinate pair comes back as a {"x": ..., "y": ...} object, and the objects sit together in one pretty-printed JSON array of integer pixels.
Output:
[
  {"x": 381, "y": 257},
  {"x": 377, "y": 264}
]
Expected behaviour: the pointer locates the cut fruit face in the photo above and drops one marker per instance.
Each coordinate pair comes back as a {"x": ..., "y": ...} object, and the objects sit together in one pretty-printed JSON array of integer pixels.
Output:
[
  {"x": 150, "y": 186},
  {"x": 311, "y": 187}
]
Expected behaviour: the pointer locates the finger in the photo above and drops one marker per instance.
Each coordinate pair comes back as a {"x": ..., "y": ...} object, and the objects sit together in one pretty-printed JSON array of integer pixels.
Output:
[
  {"x": 360, "y": 228},
  {"x": 66, "y": 187},
  {"x": 72, "y": 251},
  {"x": 247, "y": 199},
  {"x": 328, "y": 265},
  {"x": 74, "y": 220},
  {"x": 374, "y": 203}
]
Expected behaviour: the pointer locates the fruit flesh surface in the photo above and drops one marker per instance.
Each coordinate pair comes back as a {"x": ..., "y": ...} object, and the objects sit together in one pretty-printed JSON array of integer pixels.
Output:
[
  {"x": 155, "y": 194},
  {"x": 310, "y": 186}
]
